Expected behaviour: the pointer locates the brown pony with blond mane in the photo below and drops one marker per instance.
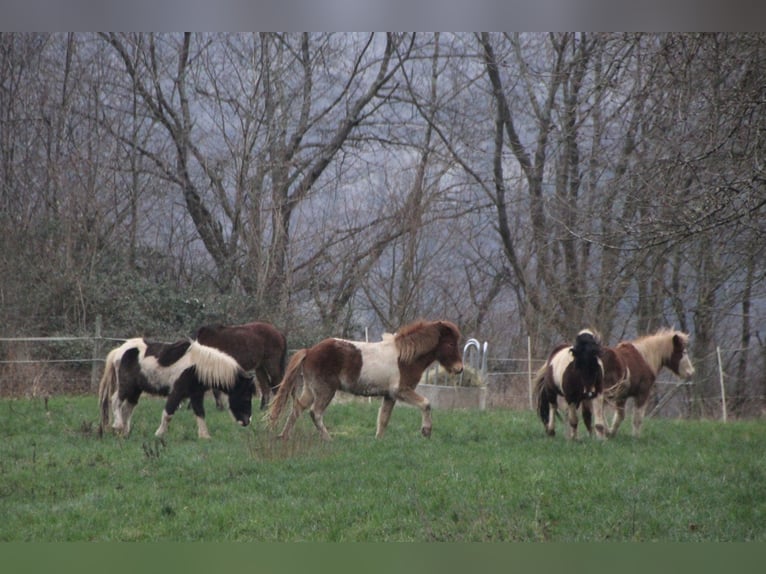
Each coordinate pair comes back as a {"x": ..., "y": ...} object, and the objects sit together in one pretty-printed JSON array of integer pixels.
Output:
[
  {"x": 631, "y": 368},
  {"x": 390, "y": 368}
]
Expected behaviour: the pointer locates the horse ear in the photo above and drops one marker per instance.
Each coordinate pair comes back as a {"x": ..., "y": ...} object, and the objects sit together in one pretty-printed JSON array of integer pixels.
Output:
[{"x": 448, "y": 327}]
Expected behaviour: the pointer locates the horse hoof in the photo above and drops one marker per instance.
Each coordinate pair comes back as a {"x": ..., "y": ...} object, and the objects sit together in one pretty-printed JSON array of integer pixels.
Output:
[{"x": 426, "y": 432}]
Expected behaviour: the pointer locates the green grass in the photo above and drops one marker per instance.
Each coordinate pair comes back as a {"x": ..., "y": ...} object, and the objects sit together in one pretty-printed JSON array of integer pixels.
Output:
[{"x": 483, "y": 476}]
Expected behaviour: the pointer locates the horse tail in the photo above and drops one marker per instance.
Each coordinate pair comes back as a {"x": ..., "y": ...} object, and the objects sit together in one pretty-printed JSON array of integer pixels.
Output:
[
  {"x": 616, "y": 375},
  {"x": 214, "y": 368},
  {"x": 276, "y": 377},
  {"x": 106, "y": 387},
  {"x": 286, "y": 387},
  {"x": 541, "y": 392}
]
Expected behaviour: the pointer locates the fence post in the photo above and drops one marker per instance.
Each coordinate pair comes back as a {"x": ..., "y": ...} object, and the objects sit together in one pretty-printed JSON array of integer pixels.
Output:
[
  {"x": 723, "y": 388},
  {"x": 529, "y": 371},
  {"x": 95, "y": 364}
]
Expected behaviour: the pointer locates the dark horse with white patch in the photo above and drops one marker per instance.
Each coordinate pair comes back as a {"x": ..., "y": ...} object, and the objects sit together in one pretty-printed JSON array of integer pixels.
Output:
[
  {"x": 180, "y": 370},
  {"x": 390, "y": 369},
  {"x": 631, "y": 369},
  {"x": 576, "y": 373},
  {"x": 257, "y": 347}
]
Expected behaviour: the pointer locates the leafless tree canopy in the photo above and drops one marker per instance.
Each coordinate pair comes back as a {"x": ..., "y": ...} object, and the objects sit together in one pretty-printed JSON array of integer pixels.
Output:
[{"x": 517, "y": 184}]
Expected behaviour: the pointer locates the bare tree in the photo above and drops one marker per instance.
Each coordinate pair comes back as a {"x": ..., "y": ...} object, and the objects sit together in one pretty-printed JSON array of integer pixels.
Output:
[
  {"x": 521, "y": 184},
  {"x": 281, "y": 114}
]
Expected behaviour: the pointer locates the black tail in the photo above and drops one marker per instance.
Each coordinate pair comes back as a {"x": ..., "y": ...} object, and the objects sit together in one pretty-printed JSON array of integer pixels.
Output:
[{"x": 541, "y": 392}]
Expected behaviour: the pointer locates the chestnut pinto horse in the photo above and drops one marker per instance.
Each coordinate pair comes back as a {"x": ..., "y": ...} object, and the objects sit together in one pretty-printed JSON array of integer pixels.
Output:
[
  {"x": 631, "y": 368},
  {"x": 576, "y": 373},
  {"x": 390, "y": 369},
  {"x": 180, "y": 370},
  {"x": 257, "y": 347}
]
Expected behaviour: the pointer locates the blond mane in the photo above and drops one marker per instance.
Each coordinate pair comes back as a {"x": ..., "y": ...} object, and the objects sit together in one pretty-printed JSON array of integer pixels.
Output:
[
  {"x": 214, "y": 367},
  {"x": 658, "y": 346}
]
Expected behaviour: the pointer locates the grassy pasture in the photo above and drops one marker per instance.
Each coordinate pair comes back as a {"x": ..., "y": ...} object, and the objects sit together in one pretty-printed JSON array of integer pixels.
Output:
[{"x": 483, "y": 476}]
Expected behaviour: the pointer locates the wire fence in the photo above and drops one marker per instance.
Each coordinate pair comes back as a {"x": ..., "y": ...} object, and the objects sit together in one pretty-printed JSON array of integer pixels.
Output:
[{"x": 36, "y": 366}]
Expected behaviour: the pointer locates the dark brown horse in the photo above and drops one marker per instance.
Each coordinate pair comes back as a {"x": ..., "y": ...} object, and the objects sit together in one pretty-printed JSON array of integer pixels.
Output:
[
  {"x": 631, "y": 368},
  {"x": 390, "y": 369},
  {"x": 180, "y": 370},
  {"x": 257, "y": 347},
  {"x": 576, "y": 373}
]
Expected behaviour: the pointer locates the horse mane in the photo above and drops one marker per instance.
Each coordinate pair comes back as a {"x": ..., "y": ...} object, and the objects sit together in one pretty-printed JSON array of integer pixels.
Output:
[
  {"x": 171, "y": 353},
  {"x": 658, "y": 346},
  {"x": 214, "y": 368},
  {"x": 421, "y": 337}
]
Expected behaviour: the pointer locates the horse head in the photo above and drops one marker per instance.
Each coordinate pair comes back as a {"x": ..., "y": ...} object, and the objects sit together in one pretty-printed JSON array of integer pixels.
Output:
[
  {"x": 587, "y": 349},
  {"x": 430, "y": 341},
  {"x": 241, "y": 399},
  {"x": 448, "y": 349},
  {"x": 587, "y": 352},
  {"x": 680, "y": 362}
]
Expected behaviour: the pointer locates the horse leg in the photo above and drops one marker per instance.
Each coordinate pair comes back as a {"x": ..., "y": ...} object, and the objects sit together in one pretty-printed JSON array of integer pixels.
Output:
[
  {"x": 572, "y": 419},
  {"x": 410, "y": 397},
  {"x": 264, "y": 385},
  {"x": 299, "y": 405},
  {"x": 597, "y": 405},
  {"x": 117, "y": 423},
  {"x": 384, "y": 414},
  {"x": 639, "y": 410},
  {"x": 321, "y": 402},
  {"x": 126, "y": 412},
  {"x": 179, "y": 393},
  {"x": 550, "y": 426},
  {"x": 198, "y": 406},
  {"x": 122, "y": 407},
  {"x": 587, "y": 416},
  {"x": 619, "y": 416},
  {"x": 163, "y": 428},
  {"x": 218, "y": 400}
]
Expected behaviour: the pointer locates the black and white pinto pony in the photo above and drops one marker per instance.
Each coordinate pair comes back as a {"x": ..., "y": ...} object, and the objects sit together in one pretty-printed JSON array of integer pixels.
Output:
[
  {"x": 180, "y": 370},
  {"x": 575, "y": 372}
]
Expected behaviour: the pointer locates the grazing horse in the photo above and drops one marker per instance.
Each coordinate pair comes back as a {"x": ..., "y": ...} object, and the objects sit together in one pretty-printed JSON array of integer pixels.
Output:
[
  {"x": 390, "y": 369},
  {"x": 257, "y": 347},
  {"x": 180, "y": 370},
  {"x": 631, "y": 368},
  {"x": 576, "y": 373}
]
